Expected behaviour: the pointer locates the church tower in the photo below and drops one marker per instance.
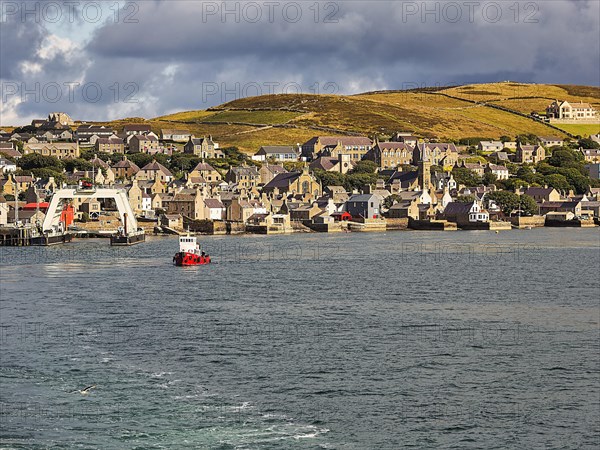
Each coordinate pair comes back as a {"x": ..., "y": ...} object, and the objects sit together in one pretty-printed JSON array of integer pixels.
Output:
[{"x": 425, "y": 169}]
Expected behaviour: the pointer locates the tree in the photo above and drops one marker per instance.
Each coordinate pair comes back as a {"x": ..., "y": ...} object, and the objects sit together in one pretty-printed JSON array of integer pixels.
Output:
[
  {"x": 528, "y": 205},
  {"x": 330, "y": 178},
  {"x": 37, "y": 161},
  {"x": 588, "y": 143},
  {"x": 77, "y": 164},
  {"x": 558, "y": 182},
  {"x": 465, "y": 199},
  {"x": 364, "y": 166},
  {"x": 530, "y": 139},
  {"x": 489, "y": 178},
  {"x": 464, "y": 176},
  {"x": 390, "y": 200},
  {"x": 509, "y": 201},
  {"x": 566, "y": 158},
  {"x": 184, "y": 162}
]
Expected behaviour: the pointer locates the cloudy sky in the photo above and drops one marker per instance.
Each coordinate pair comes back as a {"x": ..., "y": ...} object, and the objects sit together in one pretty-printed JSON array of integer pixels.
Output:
[{"x": 107, "y": 60}]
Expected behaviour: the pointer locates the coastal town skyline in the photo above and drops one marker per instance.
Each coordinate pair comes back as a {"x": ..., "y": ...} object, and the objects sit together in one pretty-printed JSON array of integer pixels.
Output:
[{"x": 299, "y": 224}]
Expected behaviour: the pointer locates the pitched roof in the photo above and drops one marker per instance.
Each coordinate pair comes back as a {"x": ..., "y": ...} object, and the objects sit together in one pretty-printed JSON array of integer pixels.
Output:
[
  {"x": 137, "y": 127},
  {"x": 345, "y": 140},
  {"x": 203, "y": 166},
  {"x": 324, "y": 163},
  {"x": 250, "y": 171},
  {"x": 441, "y": 145},
  {"x": 275, "y": 169},
  {"x": 394, "y": 145},
  {"x": 110, "y": 140},
  {"x": 362, "y": 197},
  {"x": 126, "y": 164},
  {"x": 535, "y": 191},
  {"x": 144, "y": 137},
  {"x": 458, "y": 208},
  {"x": 274, "y": 149},
  {"x": 155, "y": 166},
  {"x": 282, "y": 180},
  {"x": 213, "y": 203},
  {"x": 496, "y": 167}
]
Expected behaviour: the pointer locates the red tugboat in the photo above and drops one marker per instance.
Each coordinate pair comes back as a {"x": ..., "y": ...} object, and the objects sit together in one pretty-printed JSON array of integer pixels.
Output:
[{"x": 189, "y": 253}]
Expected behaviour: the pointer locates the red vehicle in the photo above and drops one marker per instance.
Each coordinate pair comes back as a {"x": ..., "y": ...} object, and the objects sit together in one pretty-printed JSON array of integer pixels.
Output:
[{"x": 189, "y": 253}]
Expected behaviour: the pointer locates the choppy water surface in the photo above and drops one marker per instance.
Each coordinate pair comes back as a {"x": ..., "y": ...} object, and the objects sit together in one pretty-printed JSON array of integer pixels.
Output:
[{"x": 353, "y": 341}]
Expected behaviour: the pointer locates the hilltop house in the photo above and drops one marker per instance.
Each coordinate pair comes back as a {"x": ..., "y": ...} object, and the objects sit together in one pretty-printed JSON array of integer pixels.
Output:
[
  {"x": 203, "y": 147},
  {"x": 132, "y": 129},
  {"x": 490, "y": 146},
  {"x": 550, "y": 141},
  {"x": 84, "y": 133},
  {"x": 175, "y": 135},
  {"x": 280, "y": 153},
  {"x": 572, "y": 111}
]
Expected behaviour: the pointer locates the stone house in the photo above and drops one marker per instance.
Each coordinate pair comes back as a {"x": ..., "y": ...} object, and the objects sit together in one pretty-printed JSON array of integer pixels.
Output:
[
  {"x": 140, "y": 143},
  {"x": 355, "y": 146},
  {"x": 60, "y": 150},
  {"x": 390, "y": 155},
  {"x": 214, "y": 209},
  {"x": 125, "y": 168},
  {"x": 112, "y": 144},
  {"x": 133, "y": 129},
  {"x": 440, "y": 154},
  {"x": 245, "y": 177},
  {"x": 550, "y": 141},
  {"x": 270, "y": 171},
  {"x": 573, "y": 111},
  {"x": 155, "y": 170},
  {"x": 203, "y": 147},
  {"x": 490, "y": 146},
  {"x": 290, "y": 183},
  {"x": 531, "y": 154},
  {"x": 543, "y": 194}
]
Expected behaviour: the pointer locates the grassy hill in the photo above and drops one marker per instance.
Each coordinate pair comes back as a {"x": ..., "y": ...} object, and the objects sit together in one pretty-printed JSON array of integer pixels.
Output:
[{"x": 445, "y": 114}]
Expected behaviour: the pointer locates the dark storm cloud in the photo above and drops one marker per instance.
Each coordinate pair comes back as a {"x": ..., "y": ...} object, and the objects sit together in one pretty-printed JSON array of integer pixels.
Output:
[{"x": 173, "y": 53}]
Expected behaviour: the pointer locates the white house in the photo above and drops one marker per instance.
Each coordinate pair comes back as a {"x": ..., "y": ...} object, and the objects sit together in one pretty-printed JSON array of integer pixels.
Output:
[
  {"x": 215, "y": 210},
  {"x": 3, "y": 211},
  {"x": 7, "y": 166},
  {"x": 277, "y": 152},
  {"x": 501, "y": 172},
  {"x": 490, "y": 146}
]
